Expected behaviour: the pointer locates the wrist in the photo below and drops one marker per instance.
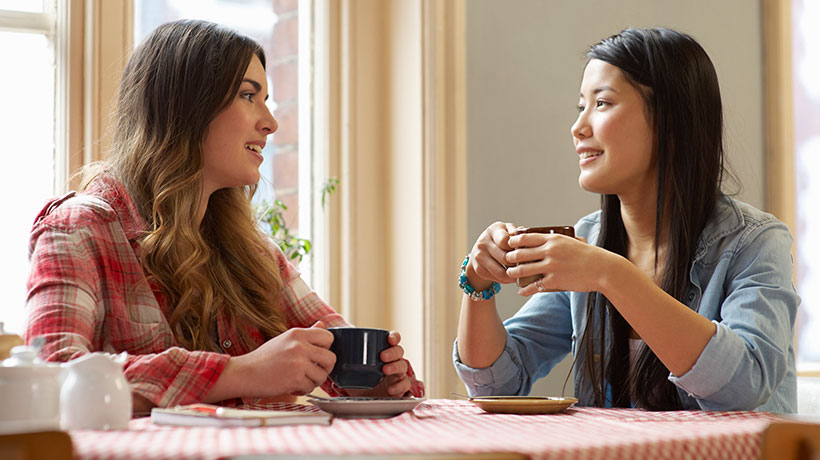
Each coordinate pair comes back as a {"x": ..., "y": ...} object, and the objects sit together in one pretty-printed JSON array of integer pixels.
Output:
[
  {"x": 478, "y": 283},
  {"x": 475, "y": 294},
  {"x": 230, "y": 382},
  {"x": 611, "y": 274}
]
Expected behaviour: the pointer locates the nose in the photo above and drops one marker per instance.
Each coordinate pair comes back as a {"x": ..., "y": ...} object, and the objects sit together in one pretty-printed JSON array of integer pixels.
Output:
[
  {"x": 268, "y": 123},
  {"x": 580, "y": 129}
]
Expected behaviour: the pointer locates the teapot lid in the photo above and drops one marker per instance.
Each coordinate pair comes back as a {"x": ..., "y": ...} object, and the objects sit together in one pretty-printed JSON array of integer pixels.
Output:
[
  {"x": 24, "y": 362},
  {"x": 23, "y": 355},
  {"x": 98, "y": 359},
  {"x": 26, "y": 355}
]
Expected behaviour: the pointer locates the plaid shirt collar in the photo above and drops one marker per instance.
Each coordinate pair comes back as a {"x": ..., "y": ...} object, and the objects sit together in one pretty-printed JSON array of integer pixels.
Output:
[{"x": 109, "y": 189}]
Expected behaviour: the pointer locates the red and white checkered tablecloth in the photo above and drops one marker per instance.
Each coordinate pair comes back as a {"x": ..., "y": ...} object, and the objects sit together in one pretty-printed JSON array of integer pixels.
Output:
[{"x": 452, "y": 426}]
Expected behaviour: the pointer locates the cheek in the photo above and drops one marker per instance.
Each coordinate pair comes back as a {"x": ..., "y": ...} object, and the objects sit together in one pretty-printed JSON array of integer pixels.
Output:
[
  {"x": 644, "y": 142},
  {"x": 213, "y": 149},
  {"x": 609, "y": 132},
  {"x": 222, "y": 133},
  {"x": 208, "y": 147}
]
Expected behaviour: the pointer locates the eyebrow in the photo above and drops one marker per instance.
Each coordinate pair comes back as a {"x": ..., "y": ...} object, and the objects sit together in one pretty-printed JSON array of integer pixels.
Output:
[
  {"x": 600, "y": 90},
  {"x": 256, "y": 86}
]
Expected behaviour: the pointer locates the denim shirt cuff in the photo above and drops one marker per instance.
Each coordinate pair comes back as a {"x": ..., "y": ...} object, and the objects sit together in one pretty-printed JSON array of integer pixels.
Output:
[
  {"x": 488, "y": 380},
  {"x": 715, "y": 366}
]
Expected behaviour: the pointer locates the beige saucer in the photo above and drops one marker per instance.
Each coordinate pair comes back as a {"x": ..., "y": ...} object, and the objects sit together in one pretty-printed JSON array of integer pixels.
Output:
[{"x": 523, "y": 404}]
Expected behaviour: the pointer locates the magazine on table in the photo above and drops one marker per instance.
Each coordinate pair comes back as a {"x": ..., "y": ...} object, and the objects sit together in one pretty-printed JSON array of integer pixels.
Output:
[{"x": 210, "y": 415}]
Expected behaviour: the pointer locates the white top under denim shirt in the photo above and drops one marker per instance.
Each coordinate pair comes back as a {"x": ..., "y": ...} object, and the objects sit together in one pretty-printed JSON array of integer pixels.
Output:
[{"x": 741, "y": 279}]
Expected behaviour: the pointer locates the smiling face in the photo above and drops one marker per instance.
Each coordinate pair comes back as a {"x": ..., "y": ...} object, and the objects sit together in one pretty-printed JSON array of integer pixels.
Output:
[
  {"x": 232, "y": 148},
  {"x": 613, "y": 135}
]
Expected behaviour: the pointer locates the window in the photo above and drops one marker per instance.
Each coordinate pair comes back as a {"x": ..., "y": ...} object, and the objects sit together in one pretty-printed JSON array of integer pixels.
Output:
[
  {"x": 28, "y": 44},
  {"x": 806, "y": 87},
  {"x": 275, "y": 25}
]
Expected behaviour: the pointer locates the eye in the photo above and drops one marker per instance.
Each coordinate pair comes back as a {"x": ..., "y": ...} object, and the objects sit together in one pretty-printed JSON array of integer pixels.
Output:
[
  {"x": 580, "y": 108},
  {"x": 248, "y": 96},
  {"x": 599, "y": 103}
]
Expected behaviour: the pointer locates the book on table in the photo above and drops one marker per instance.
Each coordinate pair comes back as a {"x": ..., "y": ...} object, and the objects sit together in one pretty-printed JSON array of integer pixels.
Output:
[{"x": 210, "y": 415}]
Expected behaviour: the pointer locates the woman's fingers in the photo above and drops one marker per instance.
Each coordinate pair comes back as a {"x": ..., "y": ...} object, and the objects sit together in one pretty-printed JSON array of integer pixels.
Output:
[
  {"x": 398, "y": 386},
  {"x": 488, "y": 256},
  {"x": 323, "y": 358},
  {"x": 392, "y": 354},
  {"x": 398, "y": 367},
  {"x": 499, "y": 233},
  {"x": 317, "y": 375},
  {"x": 315, "y": 335},
  {"x": 531, "y": 240},
  {"x": 488, "y": 265}
]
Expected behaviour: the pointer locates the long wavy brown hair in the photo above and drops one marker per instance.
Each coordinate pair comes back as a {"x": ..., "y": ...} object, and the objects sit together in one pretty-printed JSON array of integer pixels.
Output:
[{"x": 175, "y": 83}]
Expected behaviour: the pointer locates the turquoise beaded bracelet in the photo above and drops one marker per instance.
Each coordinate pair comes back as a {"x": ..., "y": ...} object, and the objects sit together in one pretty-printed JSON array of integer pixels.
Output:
[{"x": 464, "y": 284}]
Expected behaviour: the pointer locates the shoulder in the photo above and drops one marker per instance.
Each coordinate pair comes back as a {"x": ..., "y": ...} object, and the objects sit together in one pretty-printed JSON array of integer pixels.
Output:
[
  {"x": 95, "y": 218},
  {"x": 105, "y": 201},
  {"x": 71, "y": 226},
  {"x": 74, "y": 211},
  {"x": 589, "y": 226},
  {"x": 735, "y": 225}
]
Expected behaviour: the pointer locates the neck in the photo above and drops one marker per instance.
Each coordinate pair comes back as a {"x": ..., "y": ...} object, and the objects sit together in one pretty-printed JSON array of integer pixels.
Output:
[
  {"x": 202, "y": 207},
  {"x": 639, "y": 217},
  {"x": 639, "y": 220}
]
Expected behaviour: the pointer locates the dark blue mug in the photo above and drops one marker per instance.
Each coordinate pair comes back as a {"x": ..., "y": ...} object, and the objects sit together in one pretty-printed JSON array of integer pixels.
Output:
[{"x": 357, "y": 351}]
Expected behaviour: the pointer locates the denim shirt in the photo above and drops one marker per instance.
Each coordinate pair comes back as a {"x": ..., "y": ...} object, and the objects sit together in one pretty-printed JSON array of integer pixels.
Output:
[{"x": 741, "y": 279}]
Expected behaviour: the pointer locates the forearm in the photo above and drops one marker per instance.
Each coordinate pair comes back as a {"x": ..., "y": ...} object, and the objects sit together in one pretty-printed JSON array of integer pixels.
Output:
[
  {"x": 232, "y": 382},
  {"x": 228, "y": 385},
  {"x": 676, "y": 333},
  {"x": 481, "y": 334}
]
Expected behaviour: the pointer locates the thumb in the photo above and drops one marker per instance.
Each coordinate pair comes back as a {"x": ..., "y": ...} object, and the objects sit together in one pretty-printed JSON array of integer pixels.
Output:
[{"x": 319, "y": 324}]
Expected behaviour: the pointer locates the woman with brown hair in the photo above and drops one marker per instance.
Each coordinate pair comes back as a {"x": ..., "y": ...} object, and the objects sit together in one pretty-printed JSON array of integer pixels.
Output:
[{"x": 159, "y": 254}]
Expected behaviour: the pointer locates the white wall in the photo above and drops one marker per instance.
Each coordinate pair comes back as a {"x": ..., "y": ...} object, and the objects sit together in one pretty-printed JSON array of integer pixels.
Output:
[{"x": 524, "y": 63}]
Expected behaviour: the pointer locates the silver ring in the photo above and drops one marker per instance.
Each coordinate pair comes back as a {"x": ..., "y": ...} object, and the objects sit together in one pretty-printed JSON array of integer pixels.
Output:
[{"x": 539, "y": 285}]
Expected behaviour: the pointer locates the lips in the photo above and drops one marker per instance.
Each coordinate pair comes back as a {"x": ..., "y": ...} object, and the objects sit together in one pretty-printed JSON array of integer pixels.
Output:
[
  {"x": 590, "y": 154},
  {"x": 255, "y": 147}
]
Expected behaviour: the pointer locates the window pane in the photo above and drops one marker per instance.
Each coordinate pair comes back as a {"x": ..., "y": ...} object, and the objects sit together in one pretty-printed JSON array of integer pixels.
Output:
[
  {"x": 806, "y": 46},
  {"x": 28, "y": 6},
  {"x": 27, "y": 136},
  {"x": 272, "y": 23}
]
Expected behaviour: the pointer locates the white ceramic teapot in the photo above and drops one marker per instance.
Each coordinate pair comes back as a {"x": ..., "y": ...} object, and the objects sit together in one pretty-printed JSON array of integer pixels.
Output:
[
  {"x": 89, "y": 392},
  {"x": 95, "y": 394},
  {"x": 29, "y": 392}
]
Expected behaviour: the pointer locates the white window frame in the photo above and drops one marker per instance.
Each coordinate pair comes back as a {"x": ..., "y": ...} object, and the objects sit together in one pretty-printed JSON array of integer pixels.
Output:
[
  {"x": 315, "y": 143},
  {"x": 45, "y": 23}
]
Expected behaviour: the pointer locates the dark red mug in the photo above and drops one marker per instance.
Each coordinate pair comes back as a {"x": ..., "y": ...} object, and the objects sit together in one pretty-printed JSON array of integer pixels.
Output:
[{"x": 562, "y": 230}]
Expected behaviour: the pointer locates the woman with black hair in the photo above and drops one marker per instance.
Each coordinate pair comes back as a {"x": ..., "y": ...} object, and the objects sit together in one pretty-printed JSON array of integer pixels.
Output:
[{"x": 674, "y": 296}]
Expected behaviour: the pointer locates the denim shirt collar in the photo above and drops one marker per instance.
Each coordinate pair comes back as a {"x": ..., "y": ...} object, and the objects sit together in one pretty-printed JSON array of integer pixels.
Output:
[{"x": 727, "y": 219}]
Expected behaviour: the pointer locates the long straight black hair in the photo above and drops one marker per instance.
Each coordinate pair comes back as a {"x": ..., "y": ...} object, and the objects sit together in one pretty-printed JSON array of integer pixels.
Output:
[{"x": 680, "y": 88}]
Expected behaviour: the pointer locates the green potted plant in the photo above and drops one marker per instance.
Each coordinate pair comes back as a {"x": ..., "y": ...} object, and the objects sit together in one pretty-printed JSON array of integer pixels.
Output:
[{"x": 270, "y": 215}]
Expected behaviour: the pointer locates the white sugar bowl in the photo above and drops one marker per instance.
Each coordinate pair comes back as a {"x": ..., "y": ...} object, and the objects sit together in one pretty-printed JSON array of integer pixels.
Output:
[{"x": 29, "y": 392}]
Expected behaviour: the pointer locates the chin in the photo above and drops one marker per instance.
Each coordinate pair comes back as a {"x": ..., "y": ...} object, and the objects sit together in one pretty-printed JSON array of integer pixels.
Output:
[
  {"x": 588, "y": 184},
  {"x": 252, "y": 179}
]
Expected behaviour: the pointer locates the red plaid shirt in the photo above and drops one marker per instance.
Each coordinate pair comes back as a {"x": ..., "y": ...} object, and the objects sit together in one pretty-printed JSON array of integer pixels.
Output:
[{"x": 87, "y": 292}]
